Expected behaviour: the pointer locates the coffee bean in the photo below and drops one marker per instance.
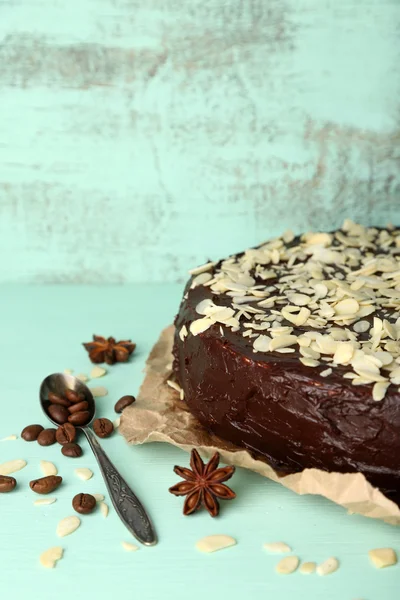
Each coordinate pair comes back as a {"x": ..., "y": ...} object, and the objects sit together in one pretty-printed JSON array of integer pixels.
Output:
[
  {"x": 123, "y": 403},
  {"x": 73, "y": 396},
  {"x": 59, "y": 414},
  {"x": 56, "y": 399},
  {"x": 84, "y": 503},
  {"x": 72, "y": 450},
  {"x": 79, "y": 418},
  {"x": 77, "y": 407},
  {"x": 45, "y": 485},
  {"x": 66, "y": 434},
  {"x": 7, "y": 484},
  {"x": 103, "y": 427},
  {"x": 47, "y": 437},
  {"x": 31, "y": 432}
]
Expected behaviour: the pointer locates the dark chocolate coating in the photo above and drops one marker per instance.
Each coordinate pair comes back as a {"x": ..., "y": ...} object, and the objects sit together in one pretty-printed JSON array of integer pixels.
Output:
[{"x": 283, "y": 411}]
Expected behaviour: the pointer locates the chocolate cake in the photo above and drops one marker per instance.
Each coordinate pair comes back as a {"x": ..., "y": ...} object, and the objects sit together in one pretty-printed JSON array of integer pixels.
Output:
[{"x": 292, "y": 350}]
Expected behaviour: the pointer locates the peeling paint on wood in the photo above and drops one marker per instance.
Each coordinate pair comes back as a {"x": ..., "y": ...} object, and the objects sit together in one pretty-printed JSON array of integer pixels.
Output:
[{"x": 140, "y": 138}]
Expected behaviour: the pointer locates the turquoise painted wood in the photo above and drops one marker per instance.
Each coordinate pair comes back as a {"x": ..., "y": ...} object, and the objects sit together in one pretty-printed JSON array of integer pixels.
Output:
[
  {"x": 139, "y": 137},
  {"x": 42, "y": 328}
]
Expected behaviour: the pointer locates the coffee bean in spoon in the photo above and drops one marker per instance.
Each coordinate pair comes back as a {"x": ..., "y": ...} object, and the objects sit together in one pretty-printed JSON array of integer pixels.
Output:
[
  {"x": 31, "y": 432},
  {"x": 58, "y": 413},
  {"x": 79, "y": 418},
  {"x": 45, "y": 485},
  {"x": 103, "y": 427},
  {"x": 66, "y": 434},
  {"x": 47, "y": 437},
  {"x": 56, "y": 399},
  {"x": 123, "y": 403},
  {"x": 7, "y": 484},
  {"x": 72, "y": 450},
  {"x": 84, "y": 503},
  {"x": 78, "y": 407},
  {"x": 73, "y": 396}
]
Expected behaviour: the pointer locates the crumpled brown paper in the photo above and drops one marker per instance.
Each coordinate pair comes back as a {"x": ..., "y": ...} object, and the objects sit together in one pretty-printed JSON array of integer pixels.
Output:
[{"x": 160, "y": 416}]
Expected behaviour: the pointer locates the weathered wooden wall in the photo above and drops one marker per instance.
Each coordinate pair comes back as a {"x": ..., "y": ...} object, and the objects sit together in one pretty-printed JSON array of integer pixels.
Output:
[{"x": 138, "y": 137}]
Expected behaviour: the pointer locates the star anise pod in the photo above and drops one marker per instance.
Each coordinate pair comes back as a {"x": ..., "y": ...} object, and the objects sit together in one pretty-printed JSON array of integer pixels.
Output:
[
  {"x": 203, "y": 484},
  {"x": 108, "y": 350}
]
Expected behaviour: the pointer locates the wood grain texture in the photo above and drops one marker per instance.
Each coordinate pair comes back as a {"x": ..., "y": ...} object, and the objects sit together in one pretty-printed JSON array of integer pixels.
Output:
[{"x": 139, "y": 138}]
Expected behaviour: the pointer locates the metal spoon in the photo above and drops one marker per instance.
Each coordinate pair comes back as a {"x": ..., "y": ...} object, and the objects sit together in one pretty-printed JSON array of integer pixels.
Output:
[{"x": 127, "y": 505}]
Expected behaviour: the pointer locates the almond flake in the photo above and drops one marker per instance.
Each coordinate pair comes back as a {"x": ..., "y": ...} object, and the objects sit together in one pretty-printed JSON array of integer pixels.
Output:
[
  {"x": 97, "y": 372},
  {"x": 379, "y": 390},
  {"x": 344, "y": 353},
  {"x": 283, "y": 341},
  {"x": 287, "y": 565},
  {"x": 104, "y": 509},
  {"x": 326, "y": 372},
  {"x": 200, "y": 325},
  {"x": 84, "y": 474},
  {"x": 128, "y": 547},
  {"x": 98, "y": 497},
  {"x": 361, "y": 326},
  {"x": 261, "y": 343},
  {"x": 277, "y": 547},
  {"x": 50, "y": 557},
  {"x": 201, "y": 279},
  {"x": 383, "y": 557},
  {"x": 67, "y": 526},
  {"x": 9, "y": 438},
  {"x": 390, "y": 329},
  {"x": 175, "y": 386},
  {"x": 212, "y": 543},
  {"x": 307, "y": 568},
  {"x": 68, "y": 371},
  {"x": 202, "y": 268},
  {"x": 44, "y": 501},
  {"x": 347, "y": 307},
  {"x": 117, "y": 421},
  {"x": 82, "y": 377},
  {"x": 299, "y": 299},
  {"x": 99, "y": 391},
  {"x": 327, "y": 567},
  {"x": 183, "y": 333},
  {"x": 12, "y": 466},
  {"x": 48, "y": 468},
  {"x": 309, "y": 362}
]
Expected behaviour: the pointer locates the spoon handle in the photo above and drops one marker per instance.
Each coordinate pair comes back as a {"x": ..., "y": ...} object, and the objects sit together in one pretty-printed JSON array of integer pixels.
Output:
[{"x": 127, "y": 505}]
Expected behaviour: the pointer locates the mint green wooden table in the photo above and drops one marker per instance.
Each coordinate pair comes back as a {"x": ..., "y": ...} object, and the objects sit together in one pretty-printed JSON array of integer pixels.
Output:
[{"x": 42, "y": 328}]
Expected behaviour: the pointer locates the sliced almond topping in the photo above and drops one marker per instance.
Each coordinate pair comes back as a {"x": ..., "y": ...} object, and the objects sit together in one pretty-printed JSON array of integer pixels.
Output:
[
  {"x": 287, "y": 565},
  {"x": 44, "y": 501},
  {"x": 12, "y": 466},
  {"x": 67, "y": 526},
  {"x": 82, "y": 377},
  {"x": 200, "y": 325},
  {"x": 329, "y": 566},
  {"x": 347, "y": 307},
  {"x": 299, "y": 299},
  {"x": 175, "y": 386},
  {"x": 104, "y": 509},
  {"x": 309, "y": 362},
  {"x": 98, "y": 497},
  {"x": 201, "y": 279},
  {"x": 379, "y": 390},
  {"x": 49, "y": 558},
  {"x": 128, "y": 547},
  {"x": 261, "y": 343},
  {"x": 212, "y": 543},
  {"x": 183, "y": 333},
  {"x": 361, "y": 326},
  {"x": 9, "y": 438},
  {"x": 202, "y": 269},
  {"x": 84, "y": 474},
  {"x": 307, "y": 568},
  {"x": 283, "y": 341},
  {"x": 99, "y": 391},
  {"x": 344, "y": 353},
  {"x": 326, "y": 372},
  {"x": 117, "y": 421},
  {"x": 383, "y": 557},
  {"x": 48, "y": 468},
  {"x": 277, "y": 547},
  {"x": 97, "y": 372}
]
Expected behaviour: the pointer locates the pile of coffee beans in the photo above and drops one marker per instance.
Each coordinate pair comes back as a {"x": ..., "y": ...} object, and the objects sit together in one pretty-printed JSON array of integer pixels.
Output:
[{"x": 72, "y": 408}]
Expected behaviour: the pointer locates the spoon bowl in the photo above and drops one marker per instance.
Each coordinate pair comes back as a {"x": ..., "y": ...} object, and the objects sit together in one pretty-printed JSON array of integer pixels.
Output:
[
  {"x": 126, "y": 503},
  {"x": 59, "y": 383}
]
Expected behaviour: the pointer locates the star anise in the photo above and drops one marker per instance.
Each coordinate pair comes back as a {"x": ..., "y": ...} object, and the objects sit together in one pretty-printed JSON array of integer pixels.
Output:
[
  {"x": 108, "y": 350},
  {"x": 203, "y": 484}
]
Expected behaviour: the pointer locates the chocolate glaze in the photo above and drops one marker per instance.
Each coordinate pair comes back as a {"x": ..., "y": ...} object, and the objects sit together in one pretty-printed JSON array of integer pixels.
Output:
[{"x": 283, "y": 411}]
